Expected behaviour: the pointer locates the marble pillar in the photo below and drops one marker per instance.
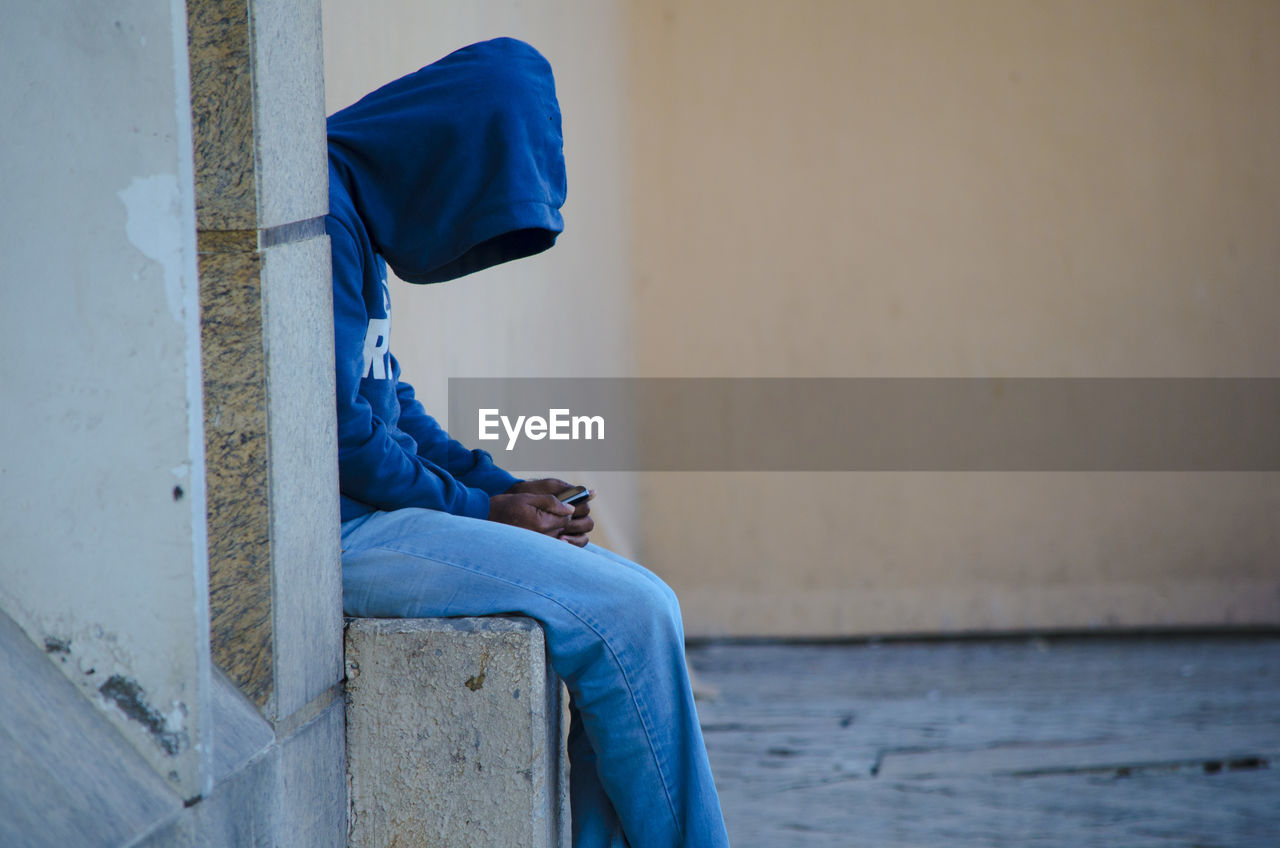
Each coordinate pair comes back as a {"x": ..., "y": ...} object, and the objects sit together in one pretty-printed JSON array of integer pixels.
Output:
[{"x": 261, "y": 194}]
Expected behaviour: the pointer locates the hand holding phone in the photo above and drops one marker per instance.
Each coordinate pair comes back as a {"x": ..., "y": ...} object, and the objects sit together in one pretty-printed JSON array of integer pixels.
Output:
[{"x": 573, "y": 494}]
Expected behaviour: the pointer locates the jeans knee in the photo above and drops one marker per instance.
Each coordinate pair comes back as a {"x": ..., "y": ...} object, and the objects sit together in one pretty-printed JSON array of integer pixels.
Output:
[
  {"x": 671, "y": 603},
  {"x": 653, "y": 604}
]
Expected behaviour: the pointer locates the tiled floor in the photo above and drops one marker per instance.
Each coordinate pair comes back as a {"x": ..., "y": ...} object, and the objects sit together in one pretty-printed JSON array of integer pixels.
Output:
[{"x": 1134, "y": 741}]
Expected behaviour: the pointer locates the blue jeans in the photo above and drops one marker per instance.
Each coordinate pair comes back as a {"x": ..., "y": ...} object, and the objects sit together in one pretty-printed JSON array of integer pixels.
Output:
[{"x": 638, "y": 766}]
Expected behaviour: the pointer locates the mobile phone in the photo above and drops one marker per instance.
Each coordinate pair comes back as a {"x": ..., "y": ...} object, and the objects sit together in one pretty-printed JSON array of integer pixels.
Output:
[{"x": 574, "y": 494}]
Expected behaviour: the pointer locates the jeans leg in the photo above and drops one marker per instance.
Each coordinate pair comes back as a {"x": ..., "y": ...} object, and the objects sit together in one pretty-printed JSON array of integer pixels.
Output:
[
  {"x": 595, "y": 822},
  {"x": 613, "y": 633}
]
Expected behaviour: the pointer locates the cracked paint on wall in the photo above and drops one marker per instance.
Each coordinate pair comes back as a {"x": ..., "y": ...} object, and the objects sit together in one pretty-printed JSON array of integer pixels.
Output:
[{"x": 154, "y": 221}]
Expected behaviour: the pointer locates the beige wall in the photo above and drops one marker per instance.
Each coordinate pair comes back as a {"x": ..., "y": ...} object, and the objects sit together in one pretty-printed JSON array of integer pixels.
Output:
[
  {"x": 964, "y": 189},
  {"x": 904, "y": 188}
]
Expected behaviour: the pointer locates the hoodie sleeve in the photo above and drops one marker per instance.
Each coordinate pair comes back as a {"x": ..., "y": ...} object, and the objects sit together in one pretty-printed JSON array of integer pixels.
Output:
[
  {"x": 373, "y": 467},
  {"x": 474, "y": 468}
]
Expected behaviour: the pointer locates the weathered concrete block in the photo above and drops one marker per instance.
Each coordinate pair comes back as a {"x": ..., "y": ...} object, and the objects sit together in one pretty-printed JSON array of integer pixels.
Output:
[{"x": 454, "y": 735}]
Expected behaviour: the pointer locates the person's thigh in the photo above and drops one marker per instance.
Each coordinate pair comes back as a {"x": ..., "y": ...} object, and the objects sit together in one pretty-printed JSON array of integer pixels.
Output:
[
  {"x": 612, "y": 628},
  {"x": 624, "y": 562},
  {"x": 425, "y": 563}
]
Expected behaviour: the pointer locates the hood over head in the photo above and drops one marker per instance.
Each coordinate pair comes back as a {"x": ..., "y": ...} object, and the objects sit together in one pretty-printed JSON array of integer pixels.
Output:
[{"x": 458, "y": 166}]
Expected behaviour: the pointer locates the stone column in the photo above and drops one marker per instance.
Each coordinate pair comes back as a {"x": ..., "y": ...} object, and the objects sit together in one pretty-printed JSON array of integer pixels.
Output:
[
  {"x": 261, "y": 194},
  {"x": 261, "y": 190}
]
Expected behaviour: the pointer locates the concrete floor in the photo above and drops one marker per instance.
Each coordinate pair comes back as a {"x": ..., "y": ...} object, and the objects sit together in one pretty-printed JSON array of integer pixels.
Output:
[{"x": 1131, "y": 741}]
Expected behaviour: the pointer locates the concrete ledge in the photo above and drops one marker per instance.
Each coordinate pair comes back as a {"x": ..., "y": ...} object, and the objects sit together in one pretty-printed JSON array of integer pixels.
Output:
[{"x": 455, "y": 735}]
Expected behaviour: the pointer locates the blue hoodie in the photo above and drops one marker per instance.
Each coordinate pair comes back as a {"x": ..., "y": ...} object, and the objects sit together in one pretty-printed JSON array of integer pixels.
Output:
[{"x": 449, "y": 170}]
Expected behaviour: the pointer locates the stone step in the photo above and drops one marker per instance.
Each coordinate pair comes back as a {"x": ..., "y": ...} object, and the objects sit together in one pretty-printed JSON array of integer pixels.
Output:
[{"x": 455, "y": 734}]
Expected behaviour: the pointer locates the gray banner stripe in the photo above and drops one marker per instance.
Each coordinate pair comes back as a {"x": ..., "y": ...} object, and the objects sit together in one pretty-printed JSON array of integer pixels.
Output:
[{"x": 872, "y": 424}]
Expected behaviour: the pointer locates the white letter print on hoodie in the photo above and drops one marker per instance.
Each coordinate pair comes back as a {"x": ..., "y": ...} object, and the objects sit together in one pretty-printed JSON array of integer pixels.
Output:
[{"x": 377, "y": 341}]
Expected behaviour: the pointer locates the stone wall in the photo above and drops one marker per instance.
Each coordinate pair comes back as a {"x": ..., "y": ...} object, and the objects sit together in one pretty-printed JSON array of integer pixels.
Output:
[{"x": 165, "y": 323}]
